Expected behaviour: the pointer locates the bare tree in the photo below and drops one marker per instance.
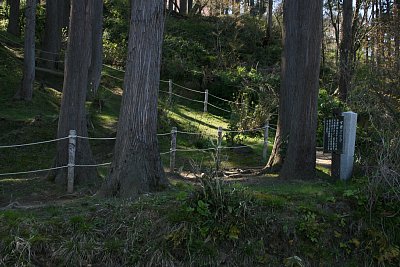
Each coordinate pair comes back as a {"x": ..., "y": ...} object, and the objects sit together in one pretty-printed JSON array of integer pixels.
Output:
[
  {"x": 137, "y": 167},
  {"x": 26, "y": 91},
  {"x": 73, "y": 112}
]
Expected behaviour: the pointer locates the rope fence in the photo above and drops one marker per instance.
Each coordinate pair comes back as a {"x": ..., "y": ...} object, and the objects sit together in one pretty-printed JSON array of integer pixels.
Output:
[{"x": 72, "y": 139}]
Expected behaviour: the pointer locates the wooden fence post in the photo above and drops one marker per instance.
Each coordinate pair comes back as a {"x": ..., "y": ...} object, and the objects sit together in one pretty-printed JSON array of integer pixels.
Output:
[
  {"x": 173, "y": 150},
  {"x": 71, "y": 160},
  {"x": 205, "y": 100},
  {"x": 219, "y": 142},
  {"x": 265, "y": 148},
  {"x": 170, "y": 92}
]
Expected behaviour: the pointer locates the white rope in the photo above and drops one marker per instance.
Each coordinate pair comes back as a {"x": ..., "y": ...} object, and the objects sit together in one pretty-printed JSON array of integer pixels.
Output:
[
  {"x": 12, "y": 41},
  {"x": 190, "y": 133},
  {"x": 163, "y": 134},
  {"x": 193, "y": 149},
  {"x": 51, "y": 60},
  {"x": 164, "y": 81},
  {"x": 189, "y": 89},
  {"x": 92, "y": 165},
  {"x": 37, "y": 49},
  {"x": 96, "y": 138},
  {"x": 193, "y": 100},
  {"x": 165, "y": 153},
  {"x": 219, "y": 108},
  {"x": 35, "y": 171},
  {"x": 113, "y": 68},
  {"x": 235, "y": 147},
  {"x": 242, "y": 131},
  {"x": 36, "y": 143},
  {"x": 119, "y": 79},
  {"x": 220, "y": 98},
  {"x": 163, "y": 91}
]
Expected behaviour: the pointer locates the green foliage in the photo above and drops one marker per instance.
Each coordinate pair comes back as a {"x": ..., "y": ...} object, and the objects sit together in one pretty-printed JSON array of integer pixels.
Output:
[
  {"x": 183, "y": 58},
  {"x": 210, "y": 215},
  {"x": 310, "y": 227}
]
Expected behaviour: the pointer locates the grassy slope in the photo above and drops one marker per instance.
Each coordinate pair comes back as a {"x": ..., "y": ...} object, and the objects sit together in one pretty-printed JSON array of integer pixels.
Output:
[{"x": 321, "y": 222}]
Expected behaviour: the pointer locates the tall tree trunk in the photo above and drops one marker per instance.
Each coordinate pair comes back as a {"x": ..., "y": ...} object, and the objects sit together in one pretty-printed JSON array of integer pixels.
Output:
[
  {"x": 269, "y": 26},
  {"x": 261, "y": 7},
  {"x": 286, "y": 100},
  {"x": 52, "y": 34},
  {"x": 170, "y": 5},
  {"x": 65, "y": 6},
  {"x": 137, "y": 166},
  {"x": 73, "y": 112},
  {"x": 26, "y": 91},
  {"x": 190, "y": 5},
  {"x": 345, "y": 50},
  {"x": 13, "y": 22},
  {"x": 183, "y": 6},
  {"x": 97, "y": 47},
  {"x": 397, "y": 36},
  {"x": 300, "y": 76}
]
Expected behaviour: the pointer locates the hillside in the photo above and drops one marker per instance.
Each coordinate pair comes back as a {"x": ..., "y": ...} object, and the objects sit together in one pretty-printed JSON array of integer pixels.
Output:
[{"x": 234, "y": 217}]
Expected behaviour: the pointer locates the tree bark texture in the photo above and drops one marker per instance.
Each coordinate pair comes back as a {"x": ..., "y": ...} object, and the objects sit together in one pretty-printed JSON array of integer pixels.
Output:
[
  {"x": 397, "y": 35},
  {"x": 13, "y": 22},
  {"x": 294, "y": 146},
  {"x": 269, "y": 26},
  {"x": 345, "y": 68},
  {"x": 190, "y": 5},
  {"x": 73, "y": 112},
  {"x": 183, "y": 6},
  {"x": 97, "y": 47},
  {"x": 53, "y": 34},
  {"x": 28, "y": 79},
  {"x": 302, "y": 56},
  {"x": 137, "y": 167},
  {"x": 170, "y": 5}
]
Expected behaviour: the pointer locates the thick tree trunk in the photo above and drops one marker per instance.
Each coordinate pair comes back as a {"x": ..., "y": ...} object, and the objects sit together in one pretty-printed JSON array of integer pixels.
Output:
[
  {"x": 65, "y": 6},
  {"x": 345, "y": 50},
  {"x": 52, "y": 35},
  {"x": 137, "y": 166},
  {"x": 13, "y": 22},
  {"x": 73, "y": 112},
  {"x": 97, "y": 48},
  {"x": 301, "y": 65},
  {"x": 26, "y": 91}
]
